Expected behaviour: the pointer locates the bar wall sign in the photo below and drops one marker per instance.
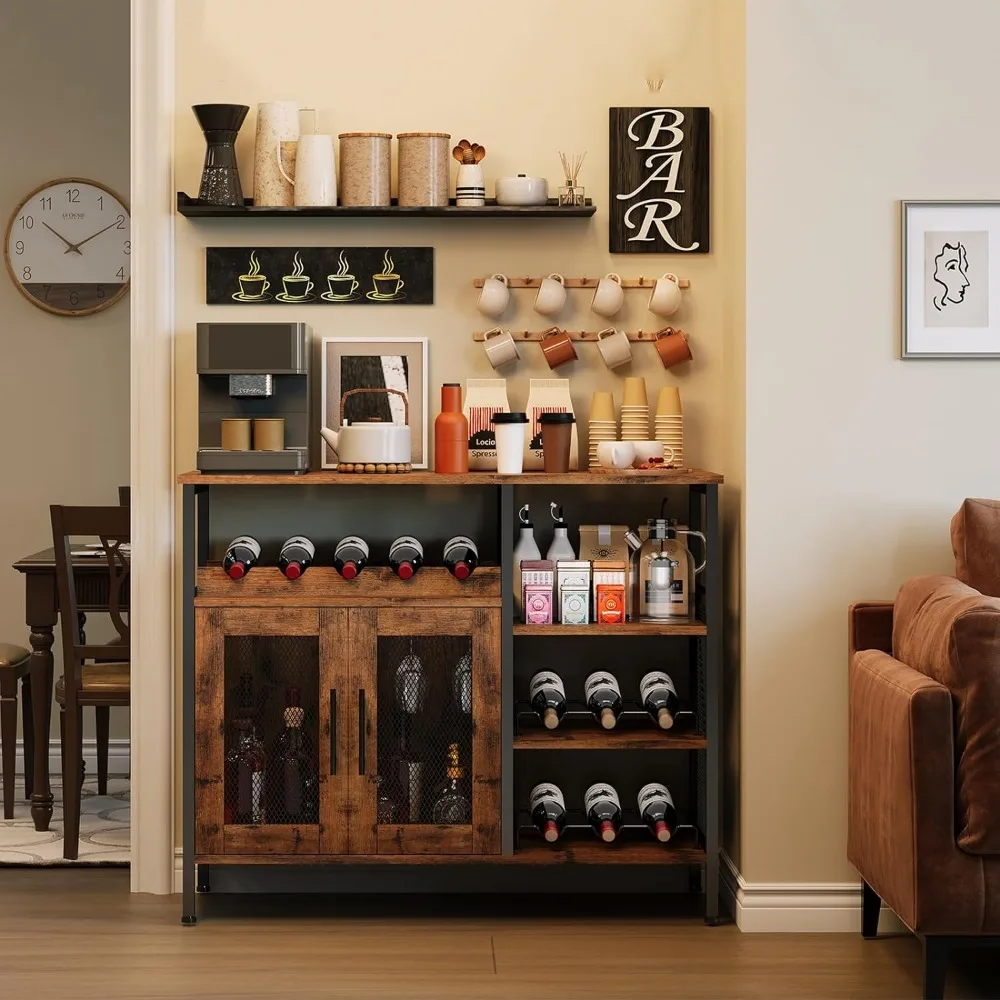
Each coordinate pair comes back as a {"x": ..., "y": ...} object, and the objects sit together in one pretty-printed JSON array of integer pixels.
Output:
[{"x": 660, "y": 180}]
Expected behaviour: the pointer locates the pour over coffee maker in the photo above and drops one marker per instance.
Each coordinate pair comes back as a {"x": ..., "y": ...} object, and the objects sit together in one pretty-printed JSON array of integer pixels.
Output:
[
  {"x": 220, "y": 177},
  {"x": 663, "y": 572}
]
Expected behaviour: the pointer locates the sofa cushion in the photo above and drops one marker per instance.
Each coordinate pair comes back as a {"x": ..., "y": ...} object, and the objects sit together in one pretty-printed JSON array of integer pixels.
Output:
[
  {"x": 975, "y": 540},
  {"x": 951, "y": 633}
]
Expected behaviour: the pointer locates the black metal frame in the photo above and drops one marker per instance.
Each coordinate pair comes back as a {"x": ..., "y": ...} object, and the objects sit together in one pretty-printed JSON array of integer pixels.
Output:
[{"x": 706, "y": 784}]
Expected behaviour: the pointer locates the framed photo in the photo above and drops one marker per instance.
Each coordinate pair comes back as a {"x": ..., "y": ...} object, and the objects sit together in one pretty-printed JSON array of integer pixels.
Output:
[
  {"x": 951, "y": 279},
  {"x": 376, "y": 363}
]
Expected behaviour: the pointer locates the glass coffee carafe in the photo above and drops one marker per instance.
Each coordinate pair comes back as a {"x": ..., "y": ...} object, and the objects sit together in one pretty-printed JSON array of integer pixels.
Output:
[{"x": 663, "y": 572}]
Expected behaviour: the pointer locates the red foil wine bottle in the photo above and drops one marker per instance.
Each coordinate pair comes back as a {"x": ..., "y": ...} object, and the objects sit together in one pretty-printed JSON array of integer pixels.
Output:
[
  {"x": 406, "y": 556},
  {"x": 548, "y": 810},
  {"x": 241, "y": 556},
  {"x": 296, "y": 556},
  {"x": 656, "y": 806},
  {"x": 461, "y": 556},
  {"x": 351, "y": 556},
  {"x": 604, "y": 811}
]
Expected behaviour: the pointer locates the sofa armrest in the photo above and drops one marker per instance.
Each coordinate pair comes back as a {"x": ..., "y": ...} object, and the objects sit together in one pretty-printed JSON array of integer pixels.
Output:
[
  {"x": 870, "y": 626},
  {"x": 901, "y": 797}
]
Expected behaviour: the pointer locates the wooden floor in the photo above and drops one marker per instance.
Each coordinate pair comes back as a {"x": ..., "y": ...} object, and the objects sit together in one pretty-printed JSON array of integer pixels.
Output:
[{"x": 78, "y": 933}]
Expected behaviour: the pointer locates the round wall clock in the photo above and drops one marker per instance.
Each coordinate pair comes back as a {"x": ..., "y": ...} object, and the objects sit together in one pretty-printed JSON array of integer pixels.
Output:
[{"x": 69, "y": 247}]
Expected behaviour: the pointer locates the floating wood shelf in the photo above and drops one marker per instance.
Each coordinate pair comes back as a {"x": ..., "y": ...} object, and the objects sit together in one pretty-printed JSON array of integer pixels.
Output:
[
  {"x": 629, "y": 628},
  {"x": 641, "y": 282},
  {"x": 576, "y": 736},
  {"x": 191, "y": 208},
  {"x": 580, "y": 336},
  {"x": 669, "y": 477}
]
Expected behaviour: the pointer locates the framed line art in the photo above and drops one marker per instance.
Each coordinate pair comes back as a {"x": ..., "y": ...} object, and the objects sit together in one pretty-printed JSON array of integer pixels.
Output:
[
  {"x": 951, "y": 279},
  {"x": 376, "y": 363}
]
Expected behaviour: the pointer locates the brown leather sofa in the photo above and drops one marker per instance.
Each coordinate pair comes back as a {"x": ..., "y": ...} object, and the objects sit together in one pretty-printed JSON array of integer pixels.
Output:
[{"x": 924, "y": 750}]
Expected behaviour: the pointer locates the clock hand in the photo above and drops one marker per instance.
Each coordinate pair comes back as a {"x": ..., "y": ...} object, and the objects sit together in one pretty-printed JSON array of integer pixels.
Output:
[
  {"x": 72, "y": 246},
  {"x": 76, "y": 246}
]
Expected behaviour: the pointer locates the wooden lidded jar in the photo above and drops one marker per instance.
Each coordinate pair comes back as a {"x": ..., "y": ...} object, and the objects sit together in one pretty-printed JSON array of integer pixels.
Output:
[
  {"x": 423, "y": 168},
  {"x": 365, "y": 167}
]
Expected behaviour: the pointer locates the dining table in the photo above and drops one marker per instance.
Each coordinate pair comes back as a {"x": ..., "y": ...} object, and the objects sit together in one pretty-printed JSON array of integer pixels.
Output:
[{"x": 41, "y": 614}]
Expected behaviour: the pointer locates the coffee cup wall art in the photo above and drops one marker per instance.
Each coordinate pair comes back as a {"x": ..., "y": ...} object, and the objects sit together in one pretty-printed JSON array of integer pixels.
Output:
[{"x": 319, "y": 276}]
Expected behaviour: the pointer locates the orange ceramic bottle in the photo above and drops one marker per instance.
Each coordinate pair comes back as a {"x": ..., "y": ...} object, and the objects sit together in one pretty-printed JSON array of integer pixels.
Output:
[{"x": 451, "y": 432}]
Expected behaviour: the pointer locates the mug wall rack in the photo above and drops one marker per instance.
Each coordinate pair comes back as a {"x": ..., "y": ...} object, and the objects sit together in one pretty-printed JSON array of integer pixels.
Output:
[
  {"x": 579, "y": 336},
  {"x": 640, "y": 282}
]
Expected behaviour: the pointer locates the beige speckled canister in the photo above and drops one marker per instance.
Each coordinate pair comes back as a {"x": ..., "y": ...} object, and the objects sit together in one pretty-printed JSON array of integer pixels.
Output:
[
  {"x": 423, "y": 168},
  {"x": 365, "y": 166},
  {"x": 277, "y": 122}
]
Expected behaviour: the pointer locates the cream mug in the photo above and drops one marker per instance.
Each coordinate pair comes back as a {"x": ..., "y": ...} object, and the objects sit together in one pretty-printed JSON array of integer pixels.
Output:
[
  {"x": 665, "y": 298},
  {"x": 645, "y": 451},
  {"x": 614, "y": 347},
  {"x": 609, "y": 296},
  {"x": 616, "y": 454},
  {"x": 315, "y": 180},
  {"x": 494, "y": 297},
  {"x": 551, "y": 295},
  {"x": 500, "y": 347}
]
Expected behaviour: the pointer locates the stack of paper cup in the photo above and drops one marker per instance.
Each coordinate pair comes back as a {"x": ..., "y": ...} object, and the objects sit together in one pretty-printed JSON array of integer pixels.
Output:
[
  {"x": 669, "y": 425},
  {"x": 603, "y": 424},
  {"x": 635, "y": 410}
]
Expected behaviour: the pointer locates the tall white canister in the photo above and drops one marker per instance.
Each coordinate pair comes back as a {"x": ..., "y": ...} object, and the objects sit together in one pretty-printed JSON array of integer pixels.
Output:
[{"x": 277, "y": 121}]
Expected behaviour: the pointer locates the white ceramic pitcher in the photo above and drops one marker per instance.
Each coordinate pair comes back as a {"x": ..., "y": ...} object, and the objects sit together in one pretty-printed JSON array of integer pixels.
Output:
[
  {"x": 277, "y": 121},
  {"x": 315, "y": 180}
]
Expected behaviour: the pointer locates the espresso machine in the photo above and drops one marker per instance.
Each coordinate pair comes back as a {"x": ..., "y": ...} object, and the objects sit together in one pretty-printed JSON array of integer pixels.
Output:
[{"x": 253, "y": 397}]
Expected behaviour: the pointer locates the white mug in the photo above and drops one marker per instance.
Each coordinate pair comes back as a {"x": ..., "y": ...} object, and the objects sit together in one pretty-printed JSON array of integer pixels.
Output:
[
  {"x": 665, "y": 298},
  {"x": 614, "y": 347},
  {"x": 551, "y": 295},
  {"x": 500, "y": 347},
  {"x": 315, "y": 179},
  {"x": 494, "y": 297},
  {"x": 616, "y": 454},
  {"x": 646, "y": 450},
  {"x": 609, "y": 296}
]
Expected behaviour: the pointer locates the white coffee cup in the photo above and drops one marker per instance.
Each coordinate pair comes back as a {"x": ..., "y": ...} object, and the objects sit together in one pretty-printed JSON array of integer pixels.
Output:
[
  {"x": 647, "y": 450},
  {"x": 614, "y": 347},
  {"x": 501, "y": 347},
  {"x": 551, "y": 295},
  {"x": 510, "y": 429},
  {"x": 616, "y": 454},
  {"x": 665, "y": 298},
  {"x": 494, "y": 297},
  {"x": 315, "y": 180},
  {"x": 609, "y": 296}
]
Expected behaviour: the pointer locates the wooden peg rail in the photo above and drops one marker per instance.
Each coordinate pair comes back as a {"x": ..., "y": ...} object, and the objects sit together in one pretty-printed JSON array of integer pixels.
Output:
[
  {"x": 640, "y": 282},
  {"x": 579, "y": 336}
]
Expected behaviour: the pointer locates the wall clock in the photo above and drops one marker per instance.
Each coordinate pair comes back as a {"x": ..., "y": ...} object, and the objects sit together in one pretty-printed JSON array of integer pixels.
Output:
[{"x": 69, "y": 247}]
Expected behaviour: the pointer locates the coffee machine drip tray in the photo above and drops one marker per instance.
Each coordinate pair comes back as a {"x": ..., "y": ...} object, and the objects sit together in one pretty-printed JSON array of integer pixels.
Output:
[{"x": 294, "y": 460}]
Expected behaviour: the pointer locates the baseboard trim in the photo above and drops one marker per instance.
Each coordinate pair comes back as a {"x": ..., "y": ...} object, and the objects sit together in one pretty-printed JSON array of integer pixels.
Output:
[
  {"x": 797, "y": 907},
  {"x": 119, "y": 754}
]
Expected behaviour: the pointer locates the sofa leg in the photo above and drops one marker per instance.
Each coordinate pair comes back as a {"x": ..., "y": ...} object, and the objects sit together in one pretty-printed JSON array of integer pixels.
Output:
[
  {"x": 871, "y": 906},
  {"x": 937, "y": 949}
]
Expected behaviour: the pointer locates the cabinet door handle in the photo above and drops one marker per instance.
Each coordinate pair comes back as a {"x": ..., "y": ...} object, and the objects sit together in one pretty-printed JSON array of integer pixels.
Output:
[
  {"x": 333, "y": 730},
  {"x": 362, "y": 732}
]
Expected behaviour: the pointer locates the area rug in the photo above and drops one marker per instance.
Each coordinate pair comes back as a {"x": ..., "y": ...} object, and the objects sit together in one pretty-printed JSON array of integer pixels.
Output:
[{"x": 104, "y": 828}]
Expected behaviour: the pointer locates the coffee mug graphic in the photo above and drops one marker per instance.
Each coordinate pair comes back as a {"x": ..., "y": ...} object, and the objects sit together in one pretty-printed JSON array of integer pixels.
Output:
[
  {"x": 609, "y": 296},
  {"x": 297, "y": 284},
  {"x": 253, "y": 286},
  {"x": 551, "y": 295},
  {"x": 494, "y": 297},
  {"x": 388, "y": 284},
  {"x": 342, "y": 286}
]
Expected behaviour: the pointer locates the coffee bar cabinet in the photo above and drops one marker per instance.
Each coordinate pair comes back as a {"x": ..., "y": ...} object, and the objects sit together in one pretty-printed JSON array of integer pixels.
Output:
[{"x": 375, "y": 721}]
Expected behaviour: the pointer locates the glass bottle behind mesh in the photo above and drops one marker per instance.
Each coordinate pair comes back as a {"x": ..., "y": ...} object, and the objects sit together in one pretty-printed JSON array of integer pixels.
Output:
[
  {"x": 451, "y": 799},
  {"x": 244, "y": 793},
  {"x": 292, "y": 786}
]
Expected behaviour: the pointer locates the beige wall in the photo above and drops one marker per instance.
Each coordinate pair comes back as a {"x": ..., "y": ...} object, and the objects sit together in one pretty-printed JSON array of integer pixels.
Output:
[
  {"x": 64, "y": 383},
  {"x": 855, "y": 460},
  {"x": 538, "y": 82}
]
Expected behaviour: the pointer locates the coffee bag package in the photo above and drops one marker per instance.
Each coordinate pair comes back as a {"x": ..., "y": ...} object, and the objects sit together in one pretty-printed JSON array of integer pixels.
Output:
[
  {"x": 547, "y": 395},
  {"x": 483, "y": 398},
  {"x": 603, "y": 542}
]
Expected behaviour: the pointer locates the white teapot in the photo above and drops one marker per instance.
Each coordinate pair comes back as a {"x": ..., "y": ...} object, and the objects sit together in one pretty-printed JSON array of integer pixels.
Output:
[{"x": 371, "y": 441}]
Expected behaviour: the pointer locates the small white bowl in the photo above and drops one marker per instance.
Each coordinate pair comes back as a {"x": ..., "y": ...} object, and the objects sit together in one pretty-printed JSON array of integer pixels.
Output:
[{"x": 522, "y": 190}]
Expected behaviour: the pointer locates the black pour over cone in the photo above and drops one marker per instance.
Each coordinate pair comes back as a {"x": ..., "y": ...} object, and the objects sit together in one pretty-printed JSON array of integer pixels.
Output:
[{"x": 220, "y": 178}]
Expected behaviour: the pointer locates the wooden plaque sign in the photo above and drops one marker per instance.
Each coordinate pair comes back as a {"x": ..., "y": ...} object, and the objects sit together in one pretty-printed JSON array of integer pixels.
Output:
[{"x": 660, "y": 180}]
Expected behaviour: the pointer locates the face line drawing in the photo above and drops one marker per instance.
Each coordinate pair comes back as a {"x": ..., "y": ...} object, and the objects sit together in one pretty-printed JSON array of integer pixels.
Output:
[{"x": 951, "y": 272}]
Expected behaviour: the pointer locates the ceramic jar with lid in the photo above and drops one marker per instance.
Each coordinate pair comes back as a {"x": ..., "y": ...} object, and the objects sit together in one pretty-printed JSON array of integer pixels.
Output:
[
  {"x": 365, "y": 167},
  {"x": 423, "y": 168}
]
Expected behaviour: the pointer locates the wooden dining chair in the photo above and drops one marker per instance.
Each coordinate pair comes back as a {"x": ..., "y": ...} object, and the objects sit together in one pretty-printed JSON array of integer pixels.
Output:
[{"x": 102, "y": 684}]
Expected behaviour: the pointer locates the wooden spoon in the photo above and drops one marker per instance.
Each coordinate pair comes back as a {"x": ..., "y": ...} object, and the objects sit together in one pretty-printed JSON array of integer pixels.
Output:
[{"x": 479, "y": 152}]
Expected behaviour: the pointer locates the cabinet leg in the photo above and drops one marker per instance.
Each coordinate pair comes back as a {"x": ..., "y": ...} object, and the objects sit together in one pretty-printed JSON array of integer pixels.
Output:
[
  {"x": 712, "y": 890},
  {"x": 871, "y": 906},
  {"x": 204, "y": 878},
  {"x": 936, "y": 952},
  {"x": 189, "y": 906}
]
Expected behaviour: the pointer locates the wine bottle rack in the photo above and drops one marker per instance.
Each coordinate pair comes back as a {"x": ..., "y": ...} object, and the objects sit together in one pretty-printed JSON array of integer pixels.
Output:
[{"x": 355, "y": 631}]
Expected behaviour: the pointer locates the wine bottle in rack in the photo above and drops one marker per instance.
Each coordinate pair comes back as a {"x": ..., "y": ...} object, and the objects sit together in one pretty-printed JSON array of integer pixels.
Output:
[
  {"x": 296, "y": 556},
  {"x": 406, "y": 556},
  {"x": 604, "y": 698},
  {"x": 548, "y": 810},
  {"x": 461, "y": 556},
  {"x": 548, "y": 697},
  {"x": 241, "y": 556},
  {"x": 604, "y": 811},
  {"x": 350, "y": 556},
  {"x": 656, "y": 806},
  {"x": 659, "y": 698}
]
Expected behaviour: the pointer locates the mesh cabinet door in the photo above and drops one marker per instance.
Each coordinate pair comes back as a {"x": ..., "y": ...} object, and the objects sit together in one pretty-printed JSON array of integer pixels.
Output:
[{"x": 428, "y": 703}]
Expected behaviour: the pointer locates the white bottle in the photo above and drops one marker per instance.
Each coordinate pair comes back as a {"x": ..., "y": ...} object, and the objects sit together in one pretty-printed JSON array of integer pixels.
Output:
[
  {"x": 560, "y": 547},
  {"x": 524, "y": 549}
]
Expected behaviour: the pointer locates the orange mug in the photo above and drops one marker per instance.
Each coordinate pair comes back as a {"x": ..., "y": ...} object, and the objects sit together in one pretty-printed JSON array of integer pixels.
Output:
[
  {"x": 672, "y": 347},
  {"x": 557, "y": 346}
]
